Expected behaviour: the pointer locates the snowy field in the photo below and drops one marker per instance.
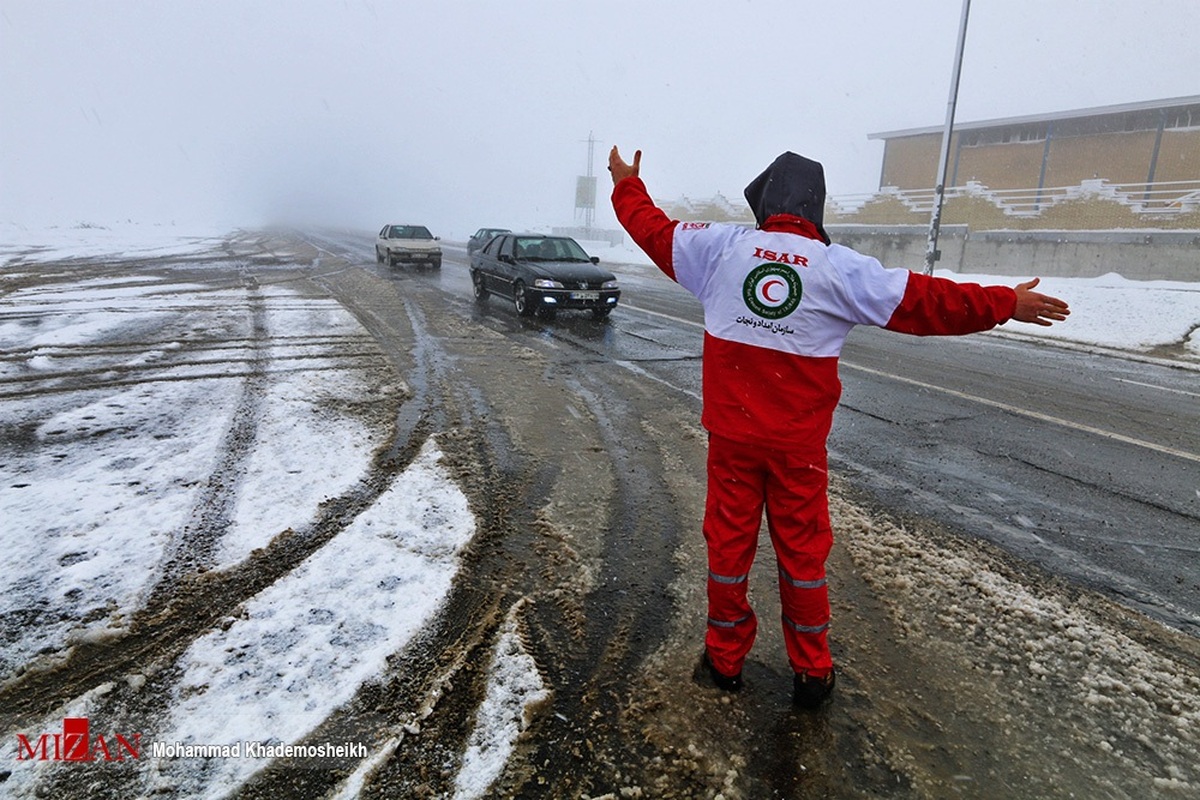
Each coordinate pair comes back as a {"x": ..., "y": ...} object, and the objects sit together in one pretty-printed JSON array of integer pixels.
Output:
[
  {"x": 114, "y": 473},
  {"x": 22, "y": 244}
]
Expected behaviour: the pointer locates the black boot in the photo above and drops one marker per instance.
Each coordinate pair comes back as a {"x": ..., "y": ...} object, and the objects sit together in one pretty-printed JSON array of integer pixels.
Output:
[
  {"x": 706, "y": 672},
  {"x": 809, "y": 692}
]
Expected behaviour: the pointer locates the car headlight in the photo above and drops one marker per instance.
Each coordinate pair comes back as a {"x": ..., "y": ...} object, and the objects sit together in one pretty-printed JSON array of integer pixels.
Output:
[
  {"x": 546, "y": 283},
  {"x": 609, "y": 285}
]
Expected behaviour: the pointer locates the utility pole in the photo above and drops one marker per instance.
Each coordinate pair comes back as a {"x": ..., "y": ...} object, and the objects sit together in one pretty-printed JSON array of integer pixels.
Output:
[{"x": 939, "y": 192}]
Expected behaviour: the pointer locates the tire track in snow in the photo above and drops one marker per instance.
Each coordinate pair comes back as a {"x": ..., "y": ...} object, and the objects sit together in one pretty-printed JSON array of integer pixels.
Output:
[
  {"x": 276, "y": 368},
  {"x": 192, "y": 548},
  {"x": 399, "y": 706},
  {"x": 504, "y": 564},
  {"x": 186, "y": 605}
]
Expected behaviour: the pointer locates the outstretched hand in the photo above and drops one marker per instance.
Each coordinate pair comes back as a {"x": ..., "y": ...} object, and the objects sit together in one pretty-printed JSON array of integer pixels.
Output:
[
  {"x": 619, "y": 169},
  {"x": 1038, "y": 308}
]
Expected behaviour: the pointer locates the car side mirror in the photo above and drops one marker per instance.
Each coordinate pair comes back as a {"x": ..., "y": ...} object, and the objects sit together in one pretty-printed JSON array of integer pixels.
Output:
[
  {"x": 595, "y": 259},
  {"x": 437, "y": 238},
  {"x": 507, "y": 259}
]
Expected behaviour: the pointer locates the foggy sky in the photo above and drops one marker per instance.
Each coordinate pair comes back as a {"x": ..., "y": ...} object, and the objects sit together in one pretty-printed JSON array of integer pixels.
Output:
[{"x": 460, "y": 114}]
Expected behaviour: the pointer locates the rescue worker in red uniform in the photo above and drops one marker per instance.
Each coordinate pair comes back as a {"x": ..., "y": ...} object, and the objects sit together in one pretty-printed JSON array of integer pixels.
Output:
[{"x": 778, "y": 302}]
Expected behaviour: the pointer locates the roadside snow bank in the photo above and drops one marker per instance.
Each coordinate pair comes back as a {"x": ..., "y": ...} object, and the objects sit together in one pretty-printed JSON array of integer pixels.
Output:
[{"x": 1113, "y": 311}]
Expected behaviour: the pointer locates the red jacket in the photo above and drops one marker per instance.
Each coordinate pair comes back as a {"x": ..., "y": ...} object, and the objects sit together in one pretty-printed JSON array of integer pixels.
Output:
[{"x": 778, "y": 303}]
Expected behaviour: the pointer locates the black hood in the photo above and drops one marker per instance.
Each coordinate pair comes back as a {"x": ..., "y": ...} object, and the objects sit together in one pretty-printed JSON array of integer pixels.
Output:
[{"x": 791, "y": 185}]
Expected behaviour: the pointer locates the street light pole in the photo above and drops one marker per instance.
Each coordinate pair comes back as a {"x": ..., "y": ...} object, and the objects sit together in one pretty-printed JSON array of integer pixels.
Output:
[{"x": 931, "y": 252}]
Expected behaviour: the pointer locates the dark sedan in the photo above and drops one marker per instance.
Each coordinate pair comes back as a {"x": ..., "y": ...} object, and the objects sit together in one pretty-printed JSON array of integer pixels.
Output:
[
  {"x": 543, "y": 274},
  {"x": 480, "y": 237}
]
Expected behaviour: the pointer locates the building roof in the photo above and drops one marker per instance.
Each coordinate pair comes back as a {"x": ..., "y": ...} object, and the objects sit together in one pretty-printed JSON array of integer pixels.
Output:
[{"x": 1099, "y": 111}]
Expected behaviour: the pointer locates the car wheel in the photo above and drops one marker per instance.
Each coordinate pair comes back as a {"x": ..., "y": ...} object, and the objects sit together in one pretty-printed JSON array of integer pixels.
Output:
[
  {"x": 481, "y": 292},
  {"x": 521, "y": 300},
  {"x": 601, "y": 313},
  {"x": 378, "y": 255},
  {"x": 437, "y": 264}
]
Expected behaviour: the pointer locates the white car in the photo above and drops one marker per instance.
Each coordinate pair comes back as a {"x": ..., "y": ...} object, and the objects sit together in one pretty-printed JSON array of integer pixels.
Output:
[{"x": 410, "y": 244}]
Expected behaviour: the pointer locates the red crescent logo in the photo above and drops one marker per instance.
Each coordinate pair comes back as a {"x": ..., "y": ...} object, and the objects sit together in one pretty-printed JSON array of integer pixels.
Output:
[{"x": 766, "y": 293}]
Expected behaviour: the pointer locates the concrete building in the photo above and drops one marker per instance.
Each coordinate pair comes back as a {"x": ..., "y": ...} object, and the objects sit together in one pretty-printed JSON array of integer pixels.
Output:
[{"x": 1136, "y": 143}]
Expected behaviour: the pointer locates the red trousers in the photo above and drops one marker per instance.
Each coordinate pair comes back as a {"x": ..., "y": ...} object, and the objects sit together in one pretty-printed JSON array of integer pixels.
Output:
[{"x": 742, "y": 479}]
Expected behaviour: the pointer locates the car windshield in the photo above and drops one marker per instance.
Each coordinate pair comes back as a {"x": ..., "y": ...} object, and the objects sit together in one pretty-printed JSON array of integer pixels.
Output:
[
  {"x": 550, "y": 249},
  {"x": 409, "y": 232}
]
